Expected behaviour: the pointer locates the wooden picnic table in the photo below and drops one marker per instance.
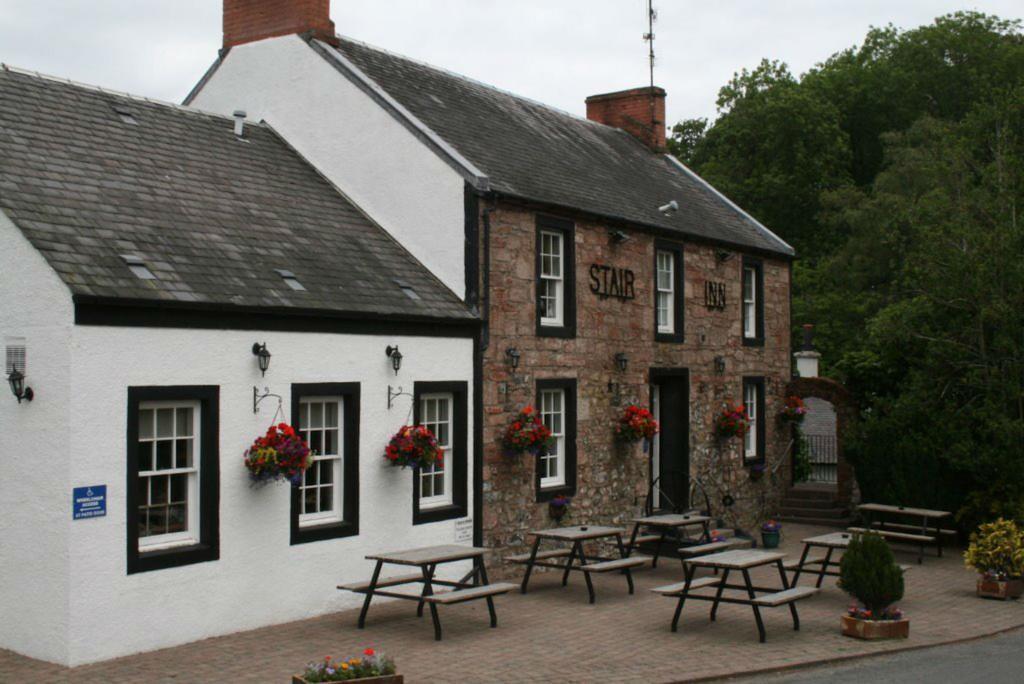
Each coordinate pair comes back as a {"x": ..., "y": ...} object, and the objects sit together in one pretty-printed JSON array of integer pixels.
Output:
[
  {"x": 830, "y": 542},
  {"x": 929, "y": 531},
  {"x": 471, "y": 587},
  {"x": 575, "y": 559},
  {"x": 665, "y": 524},
  {"x": 738, "y": 560}
]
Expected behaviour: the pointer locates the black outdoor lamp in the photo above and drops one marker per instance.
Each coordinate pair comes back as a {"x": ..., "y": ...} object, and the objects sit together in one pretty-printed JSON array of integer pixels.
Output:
[
  {"x": 17, "y": 380},
  {"x": 622, "y": 361},
  {"x": 261, "y": 352},
  {"x": 513, "y": 357},
  {"x": 719, "y": 364},
  {"x": 395, "y": 356}
]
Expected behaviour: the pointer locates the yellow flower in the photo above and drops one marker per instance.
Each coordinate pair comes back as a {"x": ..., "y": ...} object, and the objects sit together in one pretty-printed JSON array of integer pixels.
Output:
[{"x": 344, "y": 666}]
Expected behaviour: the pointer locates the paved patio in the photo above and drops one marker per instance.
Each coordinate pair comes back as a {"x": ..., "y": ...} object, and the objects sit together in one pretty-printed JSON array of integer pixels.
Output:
[{"x": 552, "y": 634}]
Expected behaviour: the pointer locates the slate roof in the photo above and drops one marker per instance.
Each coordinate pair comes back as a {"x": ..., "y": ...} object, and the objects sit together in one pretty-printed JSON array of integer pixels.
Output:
[
  {"x": 214, "y": 218},
  {"x": 535, "y": 152}
]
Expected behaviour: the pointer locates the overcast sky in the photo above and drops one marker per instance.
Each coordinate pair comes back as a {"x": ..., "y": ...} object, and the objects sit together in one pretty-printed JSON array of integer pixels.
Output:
[{"x": 555, "y": 51}]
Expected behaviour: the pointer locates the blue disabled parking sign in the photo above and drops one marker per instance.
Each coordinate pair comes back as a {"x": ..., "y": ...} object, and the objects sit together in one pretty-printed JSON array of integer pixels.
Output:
[{"x": 89, "y": 502}]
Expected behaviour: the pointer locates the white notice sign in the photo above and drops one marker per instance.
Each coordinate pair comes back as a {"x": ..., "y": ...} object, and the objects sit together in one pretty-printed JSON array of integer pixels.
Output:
[{"x": 464, "y": 531}]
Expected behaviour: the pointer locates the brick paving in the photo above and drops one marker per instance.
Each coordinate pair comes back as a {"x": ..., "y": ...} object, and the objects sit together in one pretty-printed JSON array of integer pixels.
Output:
[{"x": 552, "y": 634}]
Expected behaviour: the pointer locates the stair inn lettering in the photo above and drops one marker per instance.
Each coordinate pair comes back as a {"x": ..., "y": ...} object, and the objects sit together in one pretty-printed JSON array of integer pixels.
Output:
[{"x": 608, "y": 281}]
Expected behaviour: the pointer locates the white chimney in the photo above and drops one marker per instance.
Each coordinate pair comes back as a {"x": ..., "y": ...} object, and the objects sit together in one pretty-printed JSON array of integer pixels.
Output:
[
  {"x": 807, "y": 358},
  {"x": 240, "y": 123}
]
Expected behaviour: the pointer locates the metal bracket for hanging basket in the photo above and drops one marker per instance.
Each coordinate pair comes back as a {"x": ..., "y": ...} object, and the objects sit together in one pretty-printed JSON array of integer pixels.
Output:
[
  {"x": 257, "y": 398},
  {"x": 394, "y": 394}
]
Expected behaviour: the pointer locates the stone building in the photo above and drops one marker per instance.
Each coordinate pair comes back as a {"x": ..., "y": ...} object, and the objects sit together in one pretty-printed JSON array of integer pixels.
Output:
[{"x": 615, "y": 274}]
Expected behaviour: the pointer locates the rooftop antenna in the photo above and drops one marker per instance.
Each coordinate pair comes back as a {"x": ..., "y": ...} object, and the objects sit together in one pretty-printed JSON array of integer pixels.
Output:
[{"x": 652, "y": 16}]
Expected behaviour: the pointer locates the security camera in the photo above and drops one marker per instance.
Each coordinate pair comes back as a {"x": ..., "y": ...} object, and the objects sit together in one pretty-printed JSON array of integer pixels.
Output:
[{"x": 669, "y": 208}]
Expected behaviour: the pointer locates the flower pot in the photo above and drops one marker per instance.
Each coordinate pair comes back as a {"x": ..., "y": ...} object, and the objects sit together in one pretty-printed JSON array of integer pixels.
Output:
[
  {"x": 875, "y": 629},
  {"x": 386, "y": 679},
  {"x": 770, "y": 540},
  {"x": 557, "y": 512},
  {"x": 1000, "y": 589}
]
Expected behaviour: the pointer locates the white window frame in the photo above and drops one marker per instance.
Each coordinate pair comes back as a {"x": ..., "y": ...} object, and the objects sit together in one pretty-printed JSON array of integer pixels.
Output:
[
  {"x": 666, "y": 294},
  {"x": 190, "y": 536},
  {"x": 557, "y": 458},
  {"x": 337, "y": 513},
  {"x": 555, "y": 278},
  {"x": 750, "y": 295},
  {"x": 751, "y": 399},
  {"x": 431, "y": 422}
]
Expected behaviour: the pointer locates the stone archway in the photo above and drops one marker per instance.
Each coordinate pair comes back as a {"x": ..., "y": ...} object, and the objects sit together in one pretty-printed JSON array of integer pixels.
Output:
[{"x": 842, "y": 403}]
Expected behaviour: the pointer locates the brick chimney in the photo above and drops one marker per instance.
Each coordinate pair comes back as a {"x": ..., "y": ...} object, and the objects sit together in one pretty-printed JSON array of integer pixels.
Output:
[
  {"x": 640, "y": 112},
  {"x": 246, "y": 21}
]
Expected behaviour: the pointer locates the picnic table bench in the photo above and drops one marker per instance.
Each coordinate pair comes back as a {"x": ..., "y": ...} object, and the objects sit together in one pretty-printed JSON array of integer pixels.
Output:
[
  {"x": 741, "y": 560},
  {"x": 575, "y": 559},
  {"x": 471, "y": 587},
  {"x": 665, "y": 524},
  {"x": 927, "y": 533}
]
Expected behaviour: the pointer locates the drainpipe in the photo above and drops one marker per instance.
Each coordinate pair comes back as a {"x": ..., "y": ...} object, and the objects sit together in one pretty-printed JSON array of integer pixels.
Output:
[{"x": 485, "y": 337}]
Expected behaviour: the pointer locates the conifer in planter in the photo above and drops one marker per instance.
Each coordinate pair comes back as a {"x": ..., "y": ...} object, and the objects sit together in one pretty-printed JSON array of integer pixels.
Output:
[
  {"x": 869, "y": 573},
  {"x": 997, "y": 553}
]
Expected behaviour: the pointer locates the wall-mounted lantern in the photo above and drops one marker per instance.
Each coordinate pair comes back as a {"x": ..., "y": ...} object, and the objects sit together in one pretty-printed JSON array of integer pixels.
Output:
[
  {"x": 263, "y": 355},
  {"x": 722, "y": 255},
  {"x": 622, "y": 361},
  {"x": 395, "y": 356},
  {"x": 17, "y": 381},
  {"x": 719, "y": 364},
  {"x": 512, "y": 354},
  {"x": 617, "y": 237}
]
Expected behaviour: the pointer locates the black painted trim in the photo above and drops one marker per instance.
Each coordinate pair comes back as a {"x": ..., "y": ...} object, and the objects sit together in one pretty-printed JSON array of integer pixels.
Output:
[
  {"x": 208, "y": 548},
  {"x": 159, "y": 314},
  {"x": 568, "y": 230},
  {"x": 471, "y": 267},
  {"x": 757, "y": 381},
  {"x": 222, "y": 54},
  {"x": 478, "y": 443},
  {"x": 679, "y": 334},
  {"x": 758, "y": 266},
  {"x": 569, "y": 488},
  {"x": 349, "y": 525},
  {"x": 459, "y": 453}
]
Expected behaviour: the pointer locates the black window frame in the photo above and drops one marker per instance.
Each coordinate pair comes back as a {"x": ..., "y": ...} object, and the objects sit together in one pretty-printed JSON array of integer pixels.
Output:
[
  {"x": 349, "y": 524},
  {"x": 569, "y": 488},
  {"x": 460, "y": 451},
  {"x": 208, "y": 547},
  {"x": 678, "y": 334},
  {"x": 758, "y": 339},
  {"x": 568, "y": 230},
  {"x": 762, "y": 423}
]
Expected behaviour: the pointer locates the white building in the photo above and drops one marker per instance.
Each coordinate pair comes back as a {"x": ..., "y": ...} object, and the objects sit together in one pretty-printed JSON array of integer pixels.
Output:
[{"x": 144, "y": 250}]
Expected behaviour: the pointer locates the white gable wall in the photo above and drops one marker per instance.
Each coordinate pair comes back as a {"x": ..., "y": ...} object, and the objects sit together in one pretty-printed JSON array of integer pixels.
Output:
[
  {"x": 260, "y": 579},
  {"x": 35, "y": 491},
  {"x": 384, "y": 168}
]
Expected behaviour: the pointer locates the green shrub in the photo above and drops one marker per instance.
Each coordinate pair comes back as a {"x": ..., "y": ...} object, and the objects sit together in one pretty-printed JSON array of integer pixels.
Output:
[{"x": 869, "y": 573}]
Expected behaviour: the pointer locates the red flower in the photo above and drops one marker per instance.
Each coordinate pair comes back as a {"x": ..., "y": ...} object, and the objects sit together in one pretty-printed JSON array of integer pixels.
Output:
[{"x": 368, "y": 652}]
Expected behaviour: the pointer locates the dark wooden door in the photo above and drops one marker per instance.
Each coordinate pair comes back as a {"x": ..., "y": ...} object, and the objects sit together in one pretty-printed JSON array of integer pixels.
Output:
[{"x": 672, "y": 460}]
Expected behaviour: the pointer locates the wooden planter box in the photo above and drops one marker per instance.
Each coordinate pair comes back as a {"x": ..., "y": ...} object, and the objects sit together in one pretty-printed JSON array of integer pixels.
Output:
[
  {"x": 875, "y": 629},
  {"x": 1000, "y": 589},
  {"x": 387, "y": 679}
]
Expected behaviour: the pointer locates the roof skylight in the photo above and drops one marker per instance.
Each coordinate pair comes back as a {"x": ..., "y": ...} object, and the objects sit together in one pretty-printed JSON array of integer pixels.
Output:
[
  {"x": 137, "y": 266},
  {"x": 127, "y": 115},
  {"x": 407, "y": 289},
  {"x": 290, "y": 280}
]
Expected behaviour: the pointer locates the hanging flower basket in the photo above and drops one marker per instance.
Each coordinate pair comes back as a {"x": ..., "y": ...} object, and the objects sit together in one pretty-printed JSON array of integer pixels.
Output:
[
  {"x": 558, "y": 507},
  {"x": 278, "y": 455},
  {"x": 412, "y": 445},
  {"x": 527, "y": 433},
  {"x": 733, "y": 422},
  {"x": 636, "y": 423},
  {"x": 794, "y": 411}
]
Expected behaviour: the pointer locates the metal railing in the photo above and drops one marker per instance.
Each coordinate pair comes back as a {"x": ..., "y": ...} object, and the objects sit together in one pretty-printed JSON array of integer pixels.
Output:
[{"x": 824, "y": 457}]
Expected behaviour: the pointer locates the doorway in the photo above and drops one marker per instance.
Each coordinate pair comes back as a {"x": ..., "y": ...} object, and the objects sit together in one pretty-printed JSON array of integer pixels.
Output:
[{"x": 670, "y": 450}]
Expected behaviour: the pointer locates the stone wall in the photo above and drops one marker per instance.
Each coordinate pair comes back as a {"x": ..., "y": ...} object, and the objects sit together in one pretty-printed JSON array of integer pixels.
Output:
[{"x": 611, "y": 479}]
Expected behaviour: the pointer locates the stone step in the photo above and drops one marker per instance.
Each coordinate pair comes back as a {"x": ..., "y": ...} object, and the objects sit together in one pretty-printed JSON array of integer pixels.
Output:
[
  {"x": 801, "y": 512},
  {"x": 809, "y": 503},
  {"x": 840, "y": 523},
  {"x": 811, "y": 493}
]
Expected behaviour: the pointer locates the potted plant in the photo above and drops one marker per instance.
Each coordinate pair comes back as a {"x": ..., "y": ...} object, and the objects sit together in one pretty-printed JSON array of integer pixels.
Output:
[
  {"x": 634, "y": 424},
  {"x": 870, "y": 575},
  {"x": 732, "y": 422},
  {"x": 757, "y": 471},
  {"x": 412, "y": 445},
  {"x": 278, "y": 455},
  {"x": 370, "y": 667},
  {"x": 558, "y": 507},
  {"x": 996, "y": 551},
  {"x": 770, "y": 533},
  {"x": 794, "y": 411},
  {"x": 527, "y": 433}
]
